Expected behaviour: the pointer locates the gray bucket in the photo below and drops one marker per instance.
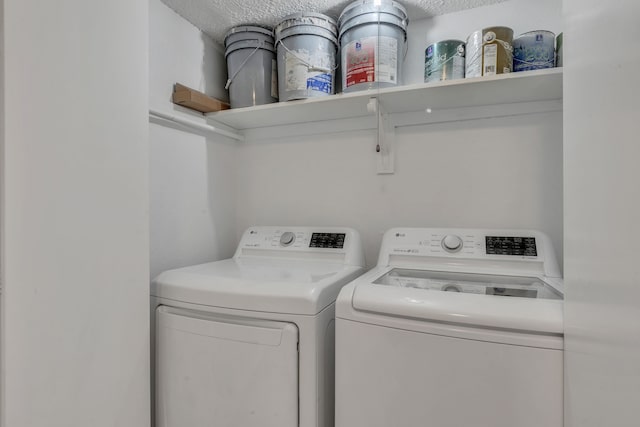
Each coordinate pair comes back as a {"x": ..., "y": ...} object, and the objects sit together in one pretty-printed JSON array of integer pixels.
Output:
[
  {"x": 251, "y": 66},
  {"x": 373, "y": 40},
  {"x": 307, "y": 46}
]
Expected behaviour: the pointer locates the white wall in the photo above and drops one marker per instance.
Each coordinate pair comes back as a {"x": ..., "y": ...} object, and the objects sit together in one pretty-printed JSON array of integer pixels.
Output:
[
  {"x": 75, "y": 220},
  {"x": 502, "y": 172},
  {"x": 191, "y": 176},
  {"x": 485, "y": 173},
  {"x": 179, "y": 52},
  {"x": 602, "y": 208}
]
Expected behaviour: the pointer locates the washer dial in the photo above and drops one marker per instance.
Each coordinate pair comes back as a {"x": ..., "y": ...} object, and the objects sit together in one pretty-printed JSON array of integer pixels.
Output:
[
  {"x": 452, "y": 243},
  {"x": 287, "y": 238}
]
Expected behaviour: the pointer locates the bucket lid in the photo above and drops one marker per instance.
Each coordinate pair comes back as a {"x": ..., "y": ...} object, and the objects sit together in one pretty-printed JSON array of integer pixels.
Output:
[
  {"x": 248, "y": 32},
  {"x": 307, "y": 23},
  {"x": 307, "y": 18},
  {"x": 448, "y": 41},
  {"x": 459, "y": 45},
  {"x": 498, "y": 28},
  {"x": 536, "y": 32},
  {"x": 479, "y": 37},
  {"x": 249, "y": 44},
  {"x": 370, "y": 11}
]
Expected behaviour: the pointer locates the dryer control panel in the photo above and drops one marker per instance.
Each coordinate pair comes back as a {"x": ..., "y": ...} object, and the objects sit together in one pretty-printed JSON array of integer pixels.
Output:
[
  {"x": 306, "y": 242},
  {"x": 327, "y": 240}
]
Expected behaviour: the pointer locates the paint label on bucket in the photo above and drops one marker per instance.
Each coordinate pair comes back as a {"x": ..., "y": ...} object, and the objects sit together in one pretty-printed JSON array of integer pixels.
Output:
[
  {"x": 362, "y": 56},
  {"x": 448, "y": 69},
  {"x": 473, "y": 66},
  {"x": 534, "y": 51},
  {"x": 444, "y": 61},
  {"x": 320, "y": 83},
  {"x": 490, "y": 59},
  {"x": 308, "y": 72}
]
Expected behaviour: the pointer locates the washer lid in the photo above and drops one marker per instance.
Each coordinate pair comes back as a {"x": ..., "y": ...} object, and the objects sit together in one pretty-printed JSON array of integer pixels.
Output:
[
  {"x": 504, "y": 302},
  {"x": 270, "y": 285},
  {"x": 481, "y": 284}
]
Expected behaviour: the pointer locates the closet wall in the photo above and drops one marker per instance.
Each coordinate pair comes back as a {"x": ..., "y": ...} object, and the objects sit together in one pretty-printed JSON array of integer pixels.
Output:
[
  {"x": 602, "y": 308},
  {"x": 192, "y": 176},
  {"x": 500, "y": 172},
  {"x": 74, "y": 225},
  {"x": 2, "y": 214}
]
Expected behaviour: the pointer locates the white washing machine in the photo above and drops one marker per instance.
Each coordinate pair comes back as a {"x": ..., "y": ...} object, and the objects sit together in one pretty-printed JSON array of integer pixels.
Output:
[
  {"x": 453, "y": 328},
  {"x": 249, "y": 341}
]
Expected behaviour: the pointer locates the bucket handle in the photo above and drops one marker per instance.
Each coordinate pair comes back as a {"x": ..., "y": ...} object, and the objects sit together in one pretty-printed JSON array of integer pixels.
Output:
[
  {"x": 230, "y": 80},
  {"x": 406, "y": 50},
  {"x": 534, "y": 63},
  {"x": 310, "y": 67}
]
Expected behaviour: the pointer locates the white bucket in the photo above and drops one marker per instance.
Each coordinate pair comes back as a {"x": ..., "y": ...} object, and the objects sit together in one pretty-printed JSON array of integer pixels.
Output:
[
  {"x": 373, "y": 38},
  {"x": 251, "y": 66},
  {"x": 307, "y": 46}
]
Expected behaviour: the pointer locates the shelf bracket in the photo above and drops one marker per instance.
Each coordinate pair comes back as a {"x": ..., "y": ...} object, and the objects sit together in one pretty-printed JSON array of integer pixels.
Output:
[{"x": 385, "y": 138}]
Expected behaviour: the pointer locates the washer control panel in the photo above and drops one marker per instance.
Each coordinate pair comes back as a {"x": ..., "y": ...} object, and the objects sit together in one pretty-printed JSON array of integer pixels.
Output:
[
  {"x": 507, "y": 251},
  {"x": 511, "y": 245},
  {"x": 463, "y": 243}
]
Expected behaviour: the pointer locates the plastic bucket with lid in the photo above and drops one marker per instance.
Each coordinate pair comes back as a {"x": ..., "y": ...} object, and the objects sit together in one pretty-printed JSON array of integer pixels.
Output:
[
  {"x": 251, "y": 66},
  {"x": 373, "y": 37},
  {"x": 307, "y": 46}
]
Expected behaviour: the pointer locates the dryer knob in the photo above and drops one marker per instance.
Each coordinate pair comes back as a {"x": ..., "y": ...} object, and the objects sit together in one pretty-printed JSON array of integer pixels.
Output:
[
  {"x": 287, "y": 238},
  {"x": 452, "y": 243}
]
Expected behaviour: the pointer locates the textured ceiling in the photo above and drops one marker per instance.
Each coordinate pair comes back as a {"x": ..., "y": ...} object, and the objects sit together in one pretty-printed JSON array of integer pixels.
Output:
[{"x": 216, "y": 17}]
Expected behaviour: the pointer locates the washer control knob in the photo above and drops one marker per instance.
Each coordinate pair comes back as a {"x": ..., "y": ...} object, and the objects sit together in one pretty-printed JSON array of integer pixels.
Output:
[
  {"x": 287, "y": 238},
  {"x": 452, "y": 243}
]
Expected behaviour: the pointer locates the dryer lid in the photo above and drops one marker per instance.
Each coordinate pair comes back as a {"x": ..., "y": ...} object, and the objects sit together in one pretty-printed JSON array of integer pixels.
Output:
[{"x": 270, "y": 285}]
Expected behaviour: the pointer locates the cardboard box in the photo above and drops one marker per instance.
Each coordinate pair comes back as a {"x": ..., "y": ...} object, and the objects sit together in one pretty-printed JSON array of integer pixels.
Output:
[{"x": 190, "y": 98}]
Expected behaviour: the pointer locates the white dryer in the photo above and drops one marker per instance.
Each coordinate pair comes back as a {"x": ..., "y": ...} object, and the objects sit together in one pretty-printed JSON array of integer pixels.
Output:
[
  {"x": 249, "y": 341},
  {"x": 453, "y": 328}
]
